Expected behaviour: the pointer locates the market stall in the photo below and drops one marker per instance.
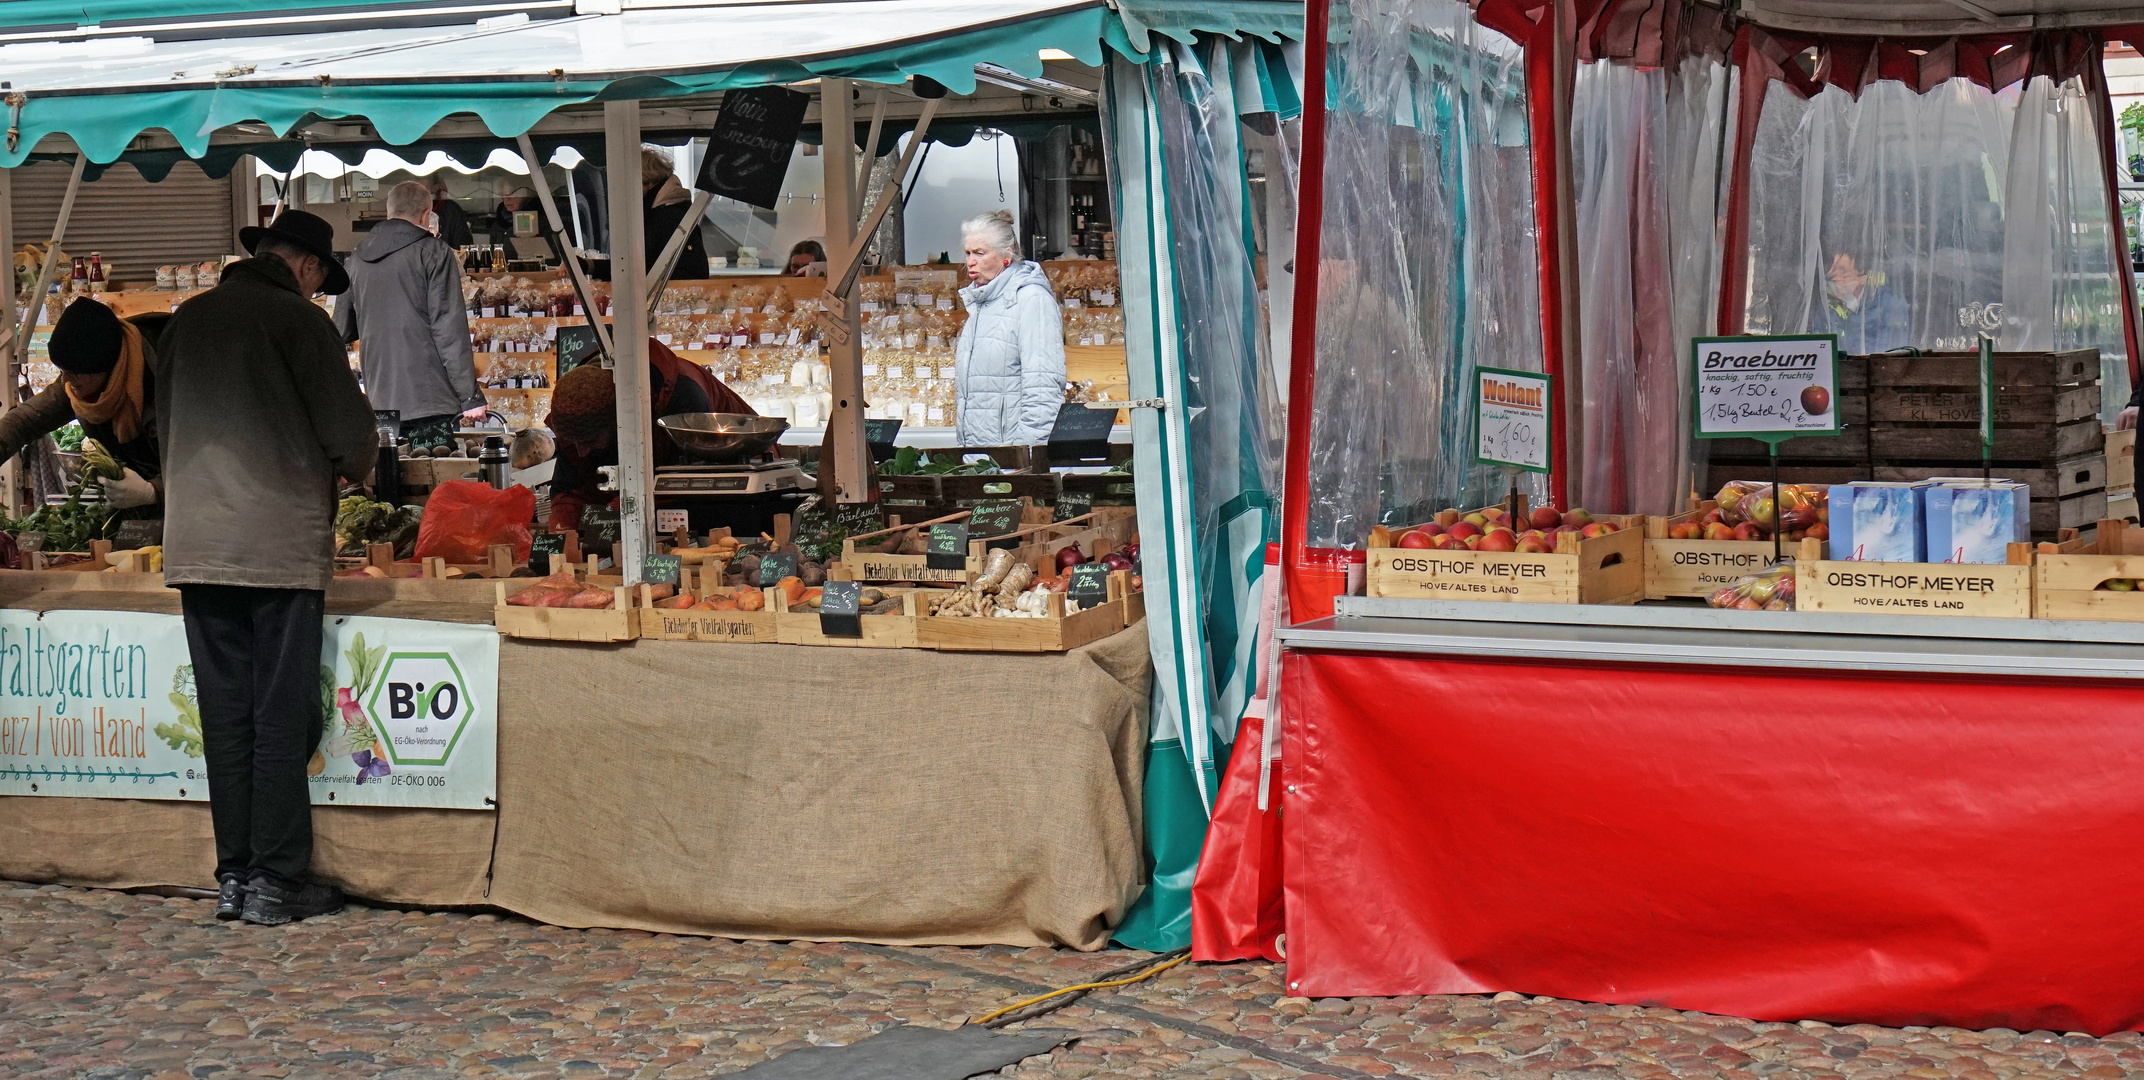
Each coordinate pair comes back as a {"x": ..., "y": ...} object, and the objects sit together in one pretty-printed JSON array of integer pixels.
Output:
[
  {"x": 1648, "y": 670},
  {"x": 1070, "y": 750}
]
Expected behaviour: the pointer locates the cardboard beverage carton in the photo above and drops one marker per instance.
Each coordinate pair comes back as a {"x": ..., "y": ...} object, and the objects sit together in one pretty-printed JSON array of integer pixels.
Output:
[
  {"x": 1973, "y": 522},
  {"x": 1879, "y": 522}
]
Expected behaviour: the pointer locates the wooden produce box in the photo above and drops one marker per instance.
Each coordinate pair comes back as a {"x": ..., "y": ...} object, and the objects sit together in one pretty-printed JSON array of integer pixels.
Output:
[
  {"x": 1607, "y": 569},
  {"x": 865, "y": 564},
  {"x": 1881, "y": 588},
  {"x": 1096, "y": 533},
  {"x": 727, "y": 626},
  {"x": 879, "y": 631},
  {"x": 1699, "y": 568},
  {"x": 619, "y": 622},
  {"x": 2121, "y": 460},
  {"x": 2067, "y": 576},
  {"x": 1059, "y": 632}
]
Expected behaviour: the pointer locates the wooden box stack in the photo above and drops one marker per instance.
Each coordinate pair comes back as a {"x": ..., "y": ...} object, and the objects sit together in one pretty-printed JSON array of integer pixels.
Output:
[
  {"x": 1925, "y": 421},
  {"x": 1830, "y": 459}
]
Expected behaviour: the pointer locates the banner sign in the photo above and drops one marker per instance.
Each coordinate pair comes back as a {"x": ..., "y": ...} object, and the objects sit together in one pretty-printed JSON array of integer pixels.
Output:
[
  {"x": 1770, "y": 388},
  {"x": 103, "y": 704}
]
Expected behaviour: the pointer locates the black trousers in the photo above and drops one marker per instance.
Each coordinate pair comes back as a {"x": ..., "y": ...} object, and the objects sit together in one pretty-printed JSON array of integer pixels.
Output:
[{"x": 256, "y": 655}]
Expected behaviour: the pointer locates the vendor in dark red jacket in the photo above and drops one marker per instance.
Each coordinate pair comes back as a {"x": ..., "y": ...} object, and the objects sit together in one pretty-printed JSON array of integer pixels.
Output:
[{"x": 584, "y": 417}]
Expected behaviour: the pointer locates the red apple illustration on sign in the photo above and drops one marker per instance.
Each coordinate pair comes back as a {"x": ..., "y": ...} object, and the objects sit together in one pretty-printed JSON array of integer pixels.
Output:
[{"x": 1816, "y": 400}]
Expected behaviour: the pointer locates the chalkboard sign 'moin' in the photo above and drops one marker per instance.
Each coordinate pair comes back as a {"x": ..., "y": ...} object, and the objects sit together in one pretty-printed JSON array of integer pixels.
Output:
[{"x": 749, "y": 150}]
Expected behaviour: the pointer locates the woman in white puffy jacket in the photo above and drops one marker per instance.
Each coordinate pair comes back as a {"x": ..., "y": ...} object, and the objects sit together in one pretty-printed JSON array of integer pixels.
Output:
[{"x": 1009, "y": 365}]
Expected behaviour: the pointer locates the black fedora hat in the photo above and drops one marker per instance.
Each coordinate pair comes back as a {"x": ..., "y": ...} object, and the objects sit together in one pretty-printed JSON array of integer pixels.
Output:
[{"x": 309, "y": 232}]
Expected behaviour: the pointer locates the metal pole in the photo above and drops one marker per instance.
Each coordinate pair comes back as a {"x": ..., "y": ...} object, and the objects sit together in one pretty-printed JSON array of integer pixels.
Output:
[
  {"x": 629, "y": 333},
  {"x": 572, "y": 252},
  {"x": 52, "y": 254},
  {"x": 846, "y": 453},
  {"x": 10, "y": 371}
]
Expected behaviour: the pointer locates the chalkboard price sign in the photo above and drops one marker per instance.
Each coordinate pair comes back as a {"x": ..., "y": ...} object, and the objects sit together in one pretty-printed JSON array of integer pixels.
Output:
[
  {"x": 840, "y": 608},
  {"x": 1073, "y": 504},
  {"x": 541, "y": 547},
  {"x": 1089, "y": 585},
  {"x": 776, "y": 566},
  {"x": 994, "y": 519},
  {"x": 748, "y": 153},
  {"x": 576, "y": 346},
  {"x": 660, "y": 569},
  {"x": 947, "y": 548}
]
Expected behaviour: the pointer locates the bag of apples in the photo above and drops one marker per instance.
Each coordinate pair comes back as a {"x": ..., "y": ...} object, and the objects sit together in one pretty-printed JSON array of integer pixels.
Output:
[
  {"x": 1747, "y": 508},
  {"x": 1772, "y": 590}
]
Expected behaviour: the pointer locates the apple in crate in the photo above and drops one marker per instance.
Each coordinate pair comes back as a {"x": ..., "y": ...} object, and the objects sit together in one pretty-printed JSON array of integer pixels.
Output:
[
  {"x": 1597, "y": 529},
  {"x": 1688, "y": 530},
  {"x": 1719, "y": 530},
  {"x": 1498, "y": 539},
  {"x": 1577, "y": 517},
  {"x": 1545, "y": 518},
  {"x": 1535, "y": 542},
  {"x": 1463, "y": 531},
  {"x": 1416, "y": 538}
]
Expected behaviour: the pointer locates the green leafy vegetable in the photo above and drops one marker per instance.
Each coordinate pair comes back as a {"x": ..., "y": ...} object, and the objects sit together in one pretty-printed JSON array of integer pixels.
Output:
[{"x": 184, "y": 734}]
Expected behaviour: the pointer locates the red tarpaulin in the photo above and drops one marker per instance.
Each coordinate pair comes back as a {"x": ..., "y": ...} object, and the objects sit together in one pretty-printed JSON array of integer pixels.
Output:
[{"x": 1779, "y": 844}]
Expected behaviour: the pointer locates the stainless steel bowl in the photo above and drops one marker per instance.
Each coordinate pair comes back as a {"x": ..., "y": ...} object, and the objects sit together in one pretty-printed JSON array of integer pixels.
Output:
[{"x": 723, "y": 436}]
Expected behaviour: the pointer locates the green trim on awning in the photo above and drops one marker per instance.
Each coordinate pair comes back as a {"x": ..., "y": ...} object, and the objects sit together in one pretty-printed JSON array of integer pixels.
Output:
[{"x": 1184, "y": 20}]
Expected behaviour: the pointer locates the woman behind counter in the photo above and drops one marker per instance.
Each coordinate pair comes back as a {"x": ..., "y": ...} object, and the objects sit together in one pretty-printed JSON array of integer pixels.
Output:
[
  {"x": 1009, "y": 363},
  {"x": 105, "y": 383}
]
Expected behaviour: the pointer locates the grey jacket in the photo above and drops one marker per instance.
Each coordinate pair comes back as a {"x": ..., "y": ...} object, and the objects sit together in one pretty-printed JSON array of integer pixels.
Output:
[
  {"x": 405, "y": 311},
  {"x": 1009, "y": 364},
  {"x": 259, "y": 414}
]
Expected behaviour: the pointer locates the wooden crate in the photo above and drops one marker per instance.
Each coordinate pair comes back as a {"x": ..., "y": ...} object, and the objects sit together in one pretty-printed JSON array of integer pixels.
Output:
[
  {"x": 720, "y": 627},
  {"x": 879, "y": 631},
  {"x": 2121, "y": 460},
  {"x": 1057, "y": 633},
  {"x": 864, "y": 564},
  {"x": 1891, "y": 444},
  {"x": 2071, "y": 476},
  {"x": 2067, "y": 576},
  {"x": 1699, "y": 568},
  {"x": 1606, "y": 569},
  {"x": 619, "y": 622},
  {"x": 1962, "y": 369},
  {"x": 1928, "y": 408},
  {"x": 1880, "y": 588}
]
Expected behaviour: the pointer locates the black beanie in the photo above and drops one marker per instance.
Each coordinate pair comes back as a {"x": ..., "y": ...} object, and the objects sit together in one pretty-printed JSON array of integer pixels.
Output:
[{"x": 87, "y": 339}]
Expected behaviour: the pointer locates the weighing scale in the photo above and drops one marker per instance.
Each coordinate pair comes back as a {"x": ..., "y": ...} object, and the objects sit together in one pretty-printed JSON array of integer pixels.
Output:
[{"x": 731, "y": 476}]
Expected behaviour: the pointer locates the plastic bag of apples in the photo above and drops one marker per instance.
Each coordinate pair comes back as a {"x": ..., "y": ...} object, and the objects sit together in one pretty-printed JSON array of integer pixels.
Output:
[
  {"x": 1746, "y": 510},
  {"x": 1772, "y": 590}
]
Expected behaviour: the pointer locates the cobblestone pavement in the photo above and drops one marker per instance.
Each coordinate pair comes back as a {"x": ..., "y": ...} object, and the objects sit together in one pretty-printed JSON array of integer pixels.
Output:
[{"x": 112, "y": 986}]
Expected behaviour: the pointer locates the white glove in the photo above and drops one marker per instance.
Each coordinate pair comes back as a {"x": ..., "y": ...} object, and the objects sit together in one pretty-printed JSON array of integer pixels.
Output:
[{"x": 130, "y": 490}]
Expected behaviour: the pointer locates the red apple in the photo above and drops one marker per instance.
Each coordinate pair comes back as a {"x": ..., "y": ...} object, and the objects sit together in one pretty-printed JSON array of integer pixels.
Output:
[
  {"x": 1477, "y": 519},
  {"x": 1748, "y": 531},
  {"x": 1430, "y": 529},
  {"x": 1816, "y": 400},
  {"x": 1534, "y": 543},
  {"x": 1598, "y": 528},
  {"x": 1414, "y": 538},
  {"x": 1464, "y": 530},
  {"x": 1448, "y": 542},
  {"x": 1719, "y": 530},
  {"x": 1494, "y": 514},
  {"x": 1578, "y": 516},
  {"x": 1498, "y": 540},
  {"x": 1818, "y": 532},
  {"x": 1545, "y": 518},
  {"x": 1688, "y": 530}
]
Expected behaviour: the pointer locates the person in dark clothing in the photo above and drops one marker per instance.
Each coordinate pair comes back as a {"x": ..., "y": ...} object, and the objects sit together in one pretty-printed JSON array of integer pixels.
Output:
[
  {"x": 106, "y": 382},
  {"x": 404, "y": 309},
  {"x": 259, "y": 414},
  {"x": 453, "y": 220},
  {"x": 584, "y": 417},
  {"x": 663, "y": 203}
]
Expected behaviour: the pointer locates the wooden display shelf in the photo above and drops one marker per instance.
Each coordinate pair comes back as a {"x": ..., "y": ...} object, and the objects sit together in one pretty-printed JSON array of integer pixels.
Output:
[
  {"x": 2067, "y": 576},
  {"x": 1978, "y": 590},
  {"x": 1607, "y": 569}
]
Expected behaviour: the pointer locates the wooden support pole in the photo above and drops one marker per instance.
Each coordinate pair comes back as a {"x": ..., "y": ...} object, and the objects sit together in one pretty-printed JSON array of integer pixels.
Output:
[{"x": 628, "y": 277}]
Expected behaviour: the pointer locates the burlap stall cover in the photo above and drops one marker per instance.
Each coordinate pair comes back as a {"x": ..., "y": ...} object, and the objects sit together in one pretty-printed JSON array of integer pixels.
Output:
[
  {"x": 774, "y": 791},
  {"x": 404, "y": 856}
]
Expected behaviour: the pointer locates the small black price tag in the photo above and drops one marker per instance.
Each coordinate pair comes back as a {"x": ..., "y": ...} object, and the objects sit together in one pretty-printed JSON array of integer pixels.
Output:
[
  {"x": 541, "y": 547},
  {"x": 138, "y": 533},
  {"x": 775, "y": 566},
  {"x": 947, "y": 548},
  {"x": 840, "y": 609},
  {"x": 600, "y": 524},
  {"x": 1073, "y": 504},
  {"x": 1088, "y": 585},
  {"x": 994, "y": 519},
  {"x": 660, "y": 569}
]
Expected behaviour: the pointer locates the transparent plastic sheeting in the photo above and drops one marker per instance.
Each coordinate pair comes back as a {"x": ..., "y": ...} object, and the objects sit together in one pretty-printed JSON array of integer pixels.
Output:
[
  {"x": 1427, "y": 261},
  {"x": 1647, "y": 168},
  {"x": 1925, "y": 220}
]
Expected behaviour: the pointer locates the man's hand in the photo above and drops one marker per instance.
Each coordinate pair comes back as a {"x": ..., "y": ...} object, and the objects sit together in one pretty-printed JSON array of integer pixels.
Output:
[
  {"x": 129, "y": 491},
  {"x": 2127, "y": 420},
  {"x": 477, "y": 414}
]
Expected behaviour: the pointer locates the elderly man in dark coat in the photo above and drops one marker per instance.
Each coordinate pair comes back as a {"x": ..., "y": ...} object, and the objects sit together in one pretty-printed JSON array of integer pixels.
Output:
[{"x": 259, "y": 415}]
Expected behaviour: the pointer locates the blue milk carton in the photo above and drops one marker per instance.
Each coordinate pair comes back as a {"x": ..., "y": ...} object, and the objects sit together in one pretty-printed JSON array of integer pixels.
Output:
[
  {"x": 1878, "y": 522},
  {"x": 1972, "y": 522}
]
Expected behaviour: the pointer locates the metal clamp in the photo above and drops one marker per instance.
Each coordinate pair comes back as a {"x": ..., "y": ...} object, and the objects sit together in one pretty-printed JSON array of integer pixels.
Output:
[{"x": 1140, "y": 403}]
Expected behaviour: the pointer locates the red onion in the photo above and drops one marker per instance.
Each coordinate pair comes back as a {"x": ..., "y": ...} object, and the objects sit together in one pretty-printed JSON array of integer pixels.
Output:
[{"x": 1069, "y": 556}]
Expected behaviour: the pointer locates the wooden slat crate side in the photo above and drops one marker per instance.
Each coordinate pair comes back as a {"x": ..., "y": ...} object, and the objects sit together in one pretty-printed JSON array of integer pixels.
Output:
[
  {"x": 2072, "y": 476},
  {"x": 1875, "y": 588},
  {"x": 1606, "y": 569},
  {"x": 1021, "y": 635},
  {"x": 1851, "y": 444},
  {"x": 1963, "y": 369},
  {"x": 1892, "y": 444},
  {"x": 1719, "y": 473},
  {"x": 2121, "y": 460},
  {"x": 567, "y": 624},
  {"x": 2013, "y": 405}
]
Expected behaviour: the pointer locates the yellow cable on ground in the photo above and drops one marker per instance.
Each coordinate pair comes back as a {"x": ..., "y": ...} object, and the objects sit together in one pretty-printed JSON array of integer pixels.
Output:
[{"x": 1147, "y": 974}]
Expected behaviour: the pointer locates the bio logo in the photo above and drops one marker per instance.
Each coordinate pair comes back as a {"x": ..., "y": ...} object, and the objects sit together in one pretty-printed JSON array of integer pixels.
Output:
[{"x": 420, "y": 705}]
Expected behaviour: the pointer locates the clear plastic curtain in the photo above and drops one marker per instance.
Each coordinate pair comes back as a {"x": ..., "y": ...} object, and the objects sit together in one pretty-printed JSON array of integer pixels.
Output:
[
  {"x": 1646, "y": 176},
  {"x": 1427, "y": 260},
  {"x": 1907, "y": 219}
]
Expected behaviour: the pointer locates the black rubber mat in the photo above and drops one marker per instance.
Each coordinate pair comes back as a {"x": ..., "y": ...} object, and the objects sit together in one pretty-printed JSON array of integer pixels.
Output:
[{"x": 911, "y": 1053}]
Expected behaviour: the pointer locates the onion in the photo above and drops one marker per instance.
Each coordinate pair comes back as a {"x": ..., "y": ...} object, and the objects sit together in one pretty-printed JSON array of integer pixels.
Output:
[
  {"x": 1116, "y": 560},
  {"x": 1070, "y": 555}
]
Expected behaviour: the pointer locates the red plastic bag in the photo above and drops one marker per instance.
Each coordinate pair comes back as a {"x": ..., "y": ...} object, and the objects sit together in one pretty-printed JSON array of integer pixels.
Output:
[{"x": 464, "y": 518}]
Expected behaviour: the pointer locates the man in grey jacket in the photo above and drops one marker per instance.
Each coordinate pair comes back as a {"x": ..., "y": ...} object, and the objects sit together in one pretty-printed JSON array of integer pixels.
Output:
[
  {"x": 405, "y": 311},
  {"x": 259, "y": 414}
]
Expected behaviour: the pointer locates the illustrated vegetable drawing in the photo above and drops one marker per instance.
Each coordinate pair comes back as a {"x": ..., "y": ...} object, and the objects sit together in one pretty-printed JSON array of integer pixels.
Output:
[{"x": 184, "y": 733}]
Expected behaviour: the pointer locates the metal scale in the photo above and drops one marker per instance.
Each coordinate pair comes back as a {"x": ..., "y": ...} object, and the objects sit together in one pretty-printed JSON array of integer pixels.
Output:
[{"x": 732, "y": 476}]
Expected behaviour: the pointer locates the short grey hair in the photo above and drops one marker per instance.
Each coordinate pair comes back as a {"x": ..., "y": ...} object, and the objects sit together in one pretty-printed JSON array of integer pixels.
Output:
[
  {"x": 995, "y": 229},
  {"x": 409, "y": 200}
]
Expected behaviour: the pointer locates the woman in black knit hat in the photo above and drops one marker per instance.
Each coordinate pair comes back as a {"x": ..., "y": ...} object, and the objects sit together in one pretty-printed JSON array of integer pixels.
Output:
[{"x": 104, "y": 382}]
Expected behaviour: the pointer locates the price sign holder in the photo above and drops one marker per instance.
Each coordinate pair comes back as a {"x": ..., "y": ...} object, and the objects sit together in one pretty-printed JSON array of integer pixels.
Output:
[
  {"x": 1766, "y": 387},
  {"x": 879, "y": 436},
  {"x": 1987, "y": 409},
  {"x": 947, "y": 548},
  {"x": 1088, "y": 585},
  {"x": 1514, "y": 424},
  {"x": 775, "y": 566},
  {"x": 997, "y": 519},
  {"x": 840, "y": 609},
  {"x": 1081, "y": 434},
  {"x": 660, "y": 569}
]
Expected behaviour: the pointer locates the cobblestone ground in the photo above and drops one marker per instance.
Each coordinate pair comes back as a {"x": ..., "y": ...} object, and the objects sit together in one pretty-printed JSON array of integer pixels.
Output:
[{"x": 112, "y": 986}]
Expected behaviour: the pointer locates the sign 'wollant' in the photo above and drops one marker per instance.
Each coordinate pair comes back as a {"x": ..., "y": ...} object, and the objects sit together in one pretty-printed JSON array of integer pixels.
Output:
[{"x": 420, "y": 705}]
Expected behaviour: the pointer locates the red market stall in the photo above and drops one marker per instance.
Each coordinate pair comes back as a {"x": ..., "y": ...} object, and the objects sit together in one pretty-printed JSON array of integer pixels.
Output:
[{"x": 1854, "y": 806}]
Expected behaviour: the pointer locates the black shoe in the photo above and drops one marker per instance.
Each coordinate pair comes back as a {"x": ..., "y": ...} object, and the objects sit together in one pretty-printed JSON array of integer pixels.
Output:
[
  {"x": 273, "y": 903},
  {"x": 230, "y": 896}
]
